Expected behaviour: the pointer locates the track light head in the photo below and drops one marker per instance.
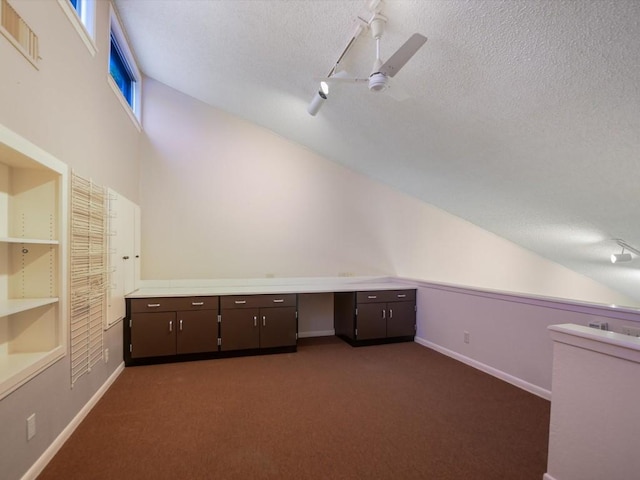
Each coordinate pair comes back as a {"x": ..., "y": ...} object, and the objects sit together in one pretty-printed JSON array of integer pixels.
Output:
[
  {"x": 318, "y": 99},
  {"x": 621, "y": 257}
]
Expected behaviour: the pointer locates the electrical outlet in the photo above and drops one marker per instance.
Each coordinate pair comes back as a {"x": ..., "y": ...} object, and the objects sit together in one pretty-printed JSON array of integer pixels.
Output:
[
  {"x": 599, "y": 325},
  {"x": 633, "y": 331},
  {"x": 31, "y": 426},
  {"x": 466, "y": 337},
  {"x": 106, "y": 355}
]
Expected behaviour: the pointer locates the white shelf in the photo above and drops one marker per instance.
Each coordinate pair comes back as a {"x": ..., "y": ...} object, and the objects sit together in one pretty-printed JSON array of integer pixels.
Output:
[
  {"x": 16, "y": 368},
  {"x": 39, "y": 241},
  {"x": 10, "y": 307}
]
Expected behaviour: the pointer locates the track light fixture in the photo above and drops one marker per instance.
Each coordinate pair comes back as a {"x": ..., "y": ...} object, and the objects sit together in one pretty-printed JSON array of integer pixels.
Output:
[
  {"x": 622, "y": 256},
  {"x": 318, "y": 99}
]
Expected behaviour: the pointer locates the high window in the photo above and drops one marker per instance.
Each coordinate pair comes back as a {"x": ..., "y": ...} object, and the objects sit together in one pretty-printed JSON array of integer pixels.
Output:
[
  {"x": 124, "y": 75},
  {"x": 81, "y": 14},
  {"x": 121, "y": 72}
]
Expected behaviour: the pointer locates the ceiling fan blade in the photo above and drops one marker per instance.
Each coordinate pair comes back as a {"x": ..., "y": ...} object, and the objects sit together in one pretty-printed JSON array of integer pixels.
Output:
[{"x": 403, "y": 55}]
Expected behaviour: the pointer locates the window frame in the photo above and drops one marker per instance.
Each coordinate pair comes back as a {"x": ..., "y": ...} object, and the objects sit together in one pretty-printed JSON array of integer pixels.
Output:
[
  {"x": 118, "y": 34},
  {"x": 83, "y": 20}
]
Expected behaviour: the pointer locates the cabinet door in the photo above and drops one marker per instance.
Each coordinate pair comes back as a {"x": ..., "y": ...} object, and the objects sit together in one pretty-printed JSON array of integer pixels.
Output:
[
  {"x": 277, "y": 327},
  {"x": 371, "y": 321},
  {"x": 401, "y": 319},
  {"x": 197, "y": 331},
  {"x": 153, "y": 334},
  {"x": 124, "y": 257},
  {"x": 239, "y": 329}
]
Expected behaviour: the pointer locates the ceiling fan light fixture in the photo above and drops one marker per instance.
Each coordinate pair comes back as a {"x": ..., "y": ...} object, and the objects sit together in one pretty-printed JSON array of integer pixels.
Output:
[{"x": 377, "y": 82}]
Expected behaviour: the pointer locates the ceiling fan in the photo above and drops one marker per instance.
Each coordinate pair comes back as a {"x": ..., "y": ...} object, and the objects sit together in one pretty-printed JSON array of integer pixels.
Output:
[{"x": 379, "y": 80}]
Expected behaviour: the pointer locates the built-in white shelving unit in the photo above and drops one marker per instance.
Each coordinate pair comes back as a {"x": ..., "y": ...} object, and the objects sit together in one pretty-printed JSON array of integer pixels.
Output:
[{"x": 33, "y": 225}]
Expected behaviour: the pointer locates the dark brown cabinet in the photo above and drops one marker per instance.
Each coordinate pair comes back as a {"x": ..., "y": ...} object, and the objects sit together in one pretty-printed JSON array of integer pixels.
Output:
[
  {"x": 172, "y": 326},
  {"x": 161, "y": 329},
  {"x": 258, "y": 322},
  {"x": 375, "y": 316}
]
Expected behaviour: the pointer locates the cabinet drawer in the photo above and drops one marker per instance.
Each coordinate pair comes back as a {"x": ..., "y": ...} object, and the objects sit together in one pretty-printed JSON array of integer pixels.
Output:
[
  {"x": 386, "y": 296},
  {"x": 258, "y": 301},
  {"x": 164, "y": 304},
  {"x": 197, "y": 303}
]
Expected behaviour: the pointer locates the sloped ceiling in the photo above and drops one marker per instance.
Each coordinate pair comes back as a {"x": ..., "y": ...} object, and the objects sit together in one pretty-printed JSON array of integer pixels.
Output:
[{"x": 524, "y": 115}]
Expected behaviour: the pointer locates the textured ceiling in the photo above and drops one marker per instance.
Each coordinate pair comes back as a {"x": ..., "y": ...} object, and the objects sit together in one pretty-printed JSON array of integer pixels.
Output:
[{"x": 524, "y": 115}]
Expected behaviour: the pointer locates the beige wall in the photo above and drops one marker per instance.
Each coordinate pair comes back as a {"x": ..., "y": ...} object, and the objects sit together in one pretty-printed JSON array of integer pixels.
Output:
[
  {"x": 223, "y": 198},
  {"x": 67, "y": 108}
]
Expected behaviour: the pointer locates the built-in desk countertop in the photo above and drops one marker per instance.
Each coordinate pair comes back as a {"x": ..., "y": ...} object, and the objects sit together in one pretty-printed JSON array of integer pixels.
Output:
[{"x": 185, "y": 288}]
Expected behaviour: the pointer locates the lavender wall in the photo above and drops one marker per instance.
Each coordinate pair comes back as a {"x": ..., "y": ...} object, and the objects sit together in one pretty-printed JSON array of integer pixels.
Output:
[{"x": 508, "y": 334}]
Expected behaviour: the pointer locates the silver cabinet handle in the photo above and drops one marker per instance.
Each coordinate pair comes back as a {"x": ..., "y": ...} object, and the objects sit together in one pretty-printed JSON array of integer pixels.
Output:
[
  {"x": 401, "y": 295},
  {"x": 197, "y": 304},
  {"x": 384, "y": 313},
  {"x": 264, "y": 320},
  {"x": 240, "y": 302},
  {"x": 391, "y": 313},
  {"x": 255, "y": 321},
  {"x": 171, "y": 325},
  {"x": 372, "y": 296},
  {"x": 180, "y": 324},
  {"x": 153, "y": 305},
  {"x": 278, "y": 300}
]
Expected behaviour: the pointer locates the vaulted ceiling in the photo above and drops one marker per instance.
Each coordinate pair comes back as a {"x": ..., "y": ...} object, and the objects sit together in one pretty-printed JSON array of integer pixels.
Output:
[{"x": 524, "y": 116}]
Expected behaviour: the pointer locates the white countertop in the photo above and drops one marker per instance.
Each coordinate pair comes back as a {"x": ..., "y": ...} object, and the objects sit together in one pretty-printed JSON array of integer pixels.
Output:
[{"x": 186, "y": 288}]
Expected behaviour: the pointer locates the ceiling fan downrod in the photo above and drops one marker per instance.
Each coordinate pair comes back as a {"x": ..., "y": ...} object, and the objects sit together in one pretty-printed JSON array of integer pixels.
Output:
[{"x": 378, "y": 81}]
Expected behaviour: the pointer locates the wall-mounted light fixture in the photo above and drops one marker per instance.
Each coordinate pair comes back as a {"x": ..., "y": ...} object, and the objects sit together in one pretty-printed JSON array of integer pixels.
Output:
[
  {"x": 318, "y": 99},
  {"x": 624, "y": 257}
]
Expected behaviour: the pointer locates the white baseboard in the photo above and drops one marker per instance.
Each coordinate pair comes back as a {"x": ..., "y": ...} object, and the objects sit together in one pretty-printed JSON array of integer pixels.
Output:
[
  {"x": 50, "y": 452},
  {"x": 548, "y": 477},
  {"x": 320, "y": 333},
  {"x": 518, "y": 382}
]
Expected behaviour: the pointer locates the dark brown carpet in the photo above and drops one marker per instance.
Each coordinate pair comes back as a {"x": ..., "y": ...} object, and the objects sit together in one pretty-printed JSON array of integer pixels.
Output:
[{"x": 329, "y": 411}]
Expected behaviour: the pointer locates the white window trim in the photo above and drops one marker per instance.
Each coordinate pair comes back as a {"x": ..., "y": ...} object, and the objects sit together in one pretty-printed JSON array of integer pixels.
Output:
[
  {"x": 86, "y": 26},
  {"x": 123, "y": 102},
  {"x": 118, "y": 32}
]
